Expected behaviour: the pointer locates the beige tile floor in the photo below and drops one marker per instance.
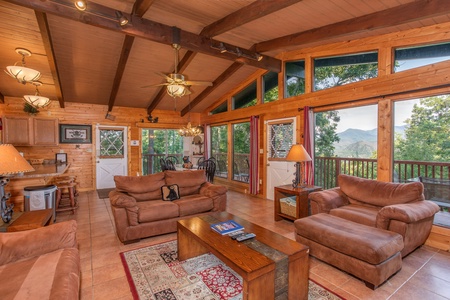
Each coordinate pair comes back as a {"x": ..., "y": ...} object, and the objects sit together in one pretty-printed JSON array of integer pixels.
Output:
[{"x": 425, "y": 273}]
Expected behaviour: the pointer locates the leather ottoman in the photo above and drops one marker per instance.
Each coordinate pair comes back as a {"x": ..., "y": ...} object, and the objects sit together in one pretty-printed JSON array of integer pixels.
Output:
[{"x": 368, "y": 253}]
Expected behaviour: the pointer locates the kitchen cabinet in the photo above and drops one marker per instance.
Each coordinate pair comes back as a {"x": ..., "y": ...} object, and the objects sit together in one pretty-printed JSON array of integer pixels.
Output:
[{"x": 30, "y": 131}]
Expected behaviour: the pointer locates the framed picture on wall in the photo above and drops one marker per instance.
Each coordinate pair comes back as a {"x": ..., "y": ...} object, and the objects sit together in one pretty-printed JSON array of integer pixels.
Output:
[{"x": 75, "y": 134}]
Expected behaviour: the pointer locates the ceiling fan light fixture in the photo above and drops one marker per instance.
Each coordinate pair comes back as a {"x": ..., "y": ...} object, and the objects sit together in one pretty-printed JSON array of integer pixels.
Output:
[
  {"x": 80, "y": 5},
  {"x": 176, "y": 90},
  {"x": 20, "y": 72},
  {"x": 121, "y": 18}
]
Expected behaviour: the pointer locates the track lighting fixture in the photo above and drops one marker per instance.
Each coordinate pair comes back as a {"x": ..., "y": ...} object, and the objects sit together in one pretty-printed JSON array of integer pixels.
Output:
[
  {"x": 80, "y": 5},
  {"x": 151, "y": 119},
  {"x": 237, "y": 51},
  {"x": 122, "y": 19}
]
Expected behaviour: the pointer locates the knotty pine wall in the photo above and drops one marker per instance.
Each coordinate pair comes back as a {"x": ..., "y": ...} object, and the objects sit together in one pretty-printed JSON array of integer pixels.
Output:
[{"x": 82, "y": 156}]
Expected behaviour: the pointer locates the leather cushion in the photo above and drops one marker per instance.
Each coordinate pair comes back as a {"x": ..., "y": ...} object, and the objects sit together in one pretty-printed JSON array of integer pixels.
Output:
[
  {"x": 357, "y": 213},
  {"x": 150, "y": 211},
  {"x": 142, "y": 188},
  {"x": 365, "y": 243},
  {"x": 194, "y": 204},
  {"x": 361, "y": 190},
  {"x": 189, "y": 182}
]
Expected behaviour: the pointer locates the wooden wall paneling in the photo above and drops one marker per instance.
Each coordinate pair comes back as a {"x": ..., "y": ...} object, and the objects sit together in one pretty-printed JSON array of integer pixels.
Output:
[{"x": 385, "y": 151}]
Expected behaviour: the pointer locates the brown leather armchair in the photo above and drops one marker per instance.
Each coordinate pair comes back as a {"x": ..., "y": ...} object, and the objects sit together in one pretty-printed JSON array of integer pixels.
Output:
[{"x": 397, "y": 207}]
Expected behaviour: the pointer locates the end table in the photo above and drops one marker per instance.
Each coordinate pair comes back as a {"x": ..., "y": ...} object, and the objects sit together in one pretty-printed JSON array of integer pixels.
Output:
[
  {"x": 29, "y": 220},
  {"x": 301, "y": 200}
]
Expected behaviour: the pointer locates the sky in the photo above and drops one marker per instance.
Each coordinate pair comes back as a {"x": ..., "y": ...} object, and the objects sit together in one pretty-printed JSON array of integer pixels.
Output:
[{"x": 365, "y": 118}]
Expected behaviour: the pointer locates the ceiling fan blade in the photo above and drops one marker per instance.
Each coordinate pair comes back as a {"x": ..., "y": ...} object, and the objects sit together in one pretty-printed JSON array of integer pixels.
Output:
[
  {"x": 164, "y": 76},
  {"x": 153, "y": 85},
  {"x": 207, "y": 83}
]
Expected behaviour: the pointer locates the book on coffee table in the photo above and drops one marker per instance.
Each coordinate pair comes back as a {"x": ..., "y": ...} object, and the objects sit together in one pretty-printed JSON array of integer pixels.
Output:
[{"x": 226, "y": 227}]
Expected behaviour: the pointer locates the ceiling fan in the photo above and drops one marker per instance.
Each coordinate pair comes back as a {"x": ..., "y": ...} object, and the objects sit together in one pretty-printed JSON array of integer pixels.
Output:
[{"x": 177, "y": 86}]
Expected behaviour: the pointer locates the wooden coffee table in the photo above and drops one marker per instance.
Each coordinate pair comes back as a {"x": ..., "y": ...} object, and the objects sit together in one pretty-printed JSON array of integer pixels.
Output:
[
  {"x": 31, "y": 220},
  {"x": 195, "y": 237}
]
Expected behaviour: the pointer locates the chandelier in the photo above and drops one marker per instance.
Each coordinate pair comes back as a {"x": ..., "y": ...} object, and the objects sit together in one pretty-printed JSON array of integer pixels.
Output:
[
  {"x": 20, "y": 72},
  {"x": 37, "y": 100},
  {"x": 189, "y": 131}
]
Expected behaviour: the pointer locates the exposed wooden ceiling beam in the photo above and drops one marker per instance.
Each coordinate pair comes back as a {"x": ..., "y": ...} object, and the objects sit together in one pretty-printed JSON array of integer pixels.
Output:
[
  {"x": 398, "y": 15},
  {"x": 48, "y": 45},
  {"x": 251, "y": 12},
  {"x": 140, "y": 7},
  {"x": 219, "y": 80},
  {"x": 104, "y": 17},
  {"x": 125, "y": 53}
]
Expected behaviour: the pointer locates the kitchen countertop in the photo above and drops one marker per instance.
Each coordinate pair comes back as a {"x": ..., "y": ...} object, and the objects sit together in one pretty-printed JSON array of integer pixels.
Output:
[{"x": 44, "y": 171}]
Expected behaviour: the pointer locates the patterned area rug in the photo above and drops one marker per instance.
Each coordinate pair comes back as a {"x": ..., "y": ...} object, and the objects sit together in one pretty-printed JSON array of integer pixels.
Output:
[{"x": 154, "y": 272}]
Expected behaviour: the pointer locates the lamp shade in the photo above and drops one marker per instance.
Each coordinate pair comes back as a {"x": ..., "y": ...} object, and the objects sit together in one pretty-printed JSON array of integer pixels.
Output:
[
  {"x": 176, "y": 90},
  {"x": 298, "y": 153},
  {"x": 23, "y": 74},
  {"x": 37, "y": 100},
  {"x": 11, "y": 162}
]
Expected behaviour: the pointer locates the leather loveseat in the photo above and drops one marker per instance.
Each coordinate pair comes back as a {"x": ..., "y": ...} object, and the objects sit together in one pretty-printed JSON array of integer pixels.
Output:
[
  {"x": 140, "y": 212},
  {"x": 41, "y": 263},
  {"x": 396, "y": 207}
]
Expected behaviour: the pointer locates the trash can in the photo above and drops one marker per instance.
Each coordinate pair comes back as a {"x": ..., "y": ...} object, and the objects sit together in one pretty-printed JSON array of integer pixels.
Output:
[{"x": 40, "y": 197}]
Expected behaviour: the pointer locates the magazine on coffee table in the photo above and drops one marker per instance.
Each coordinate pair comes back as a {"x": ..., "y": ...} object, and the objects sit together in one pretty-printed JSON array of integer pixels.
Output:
[{"x": 226, "y": 227}]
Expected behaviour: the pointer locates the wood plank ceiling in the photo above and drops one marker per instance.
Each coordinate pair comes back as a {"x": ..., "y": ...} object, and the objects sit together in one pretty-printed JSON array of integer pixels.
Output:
[{"x": 87, "y": 57}]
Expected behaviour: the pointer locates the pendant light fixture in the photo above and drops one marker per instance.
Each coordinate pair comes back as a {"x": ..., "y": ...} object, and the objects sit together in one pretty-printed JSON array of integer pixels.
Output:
[
  {"x": 20, "y": 72},
  {"x": 190, "y": 131},
  {"x": 36, "y": 100}
]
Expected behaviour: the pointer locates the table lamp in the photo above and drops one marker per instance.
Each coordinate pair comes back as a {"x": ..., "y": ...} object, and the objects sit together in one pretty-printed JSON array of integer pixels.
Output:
[
  {"x": 11, "y": 162},
  {"x": 298, "y": 154}
]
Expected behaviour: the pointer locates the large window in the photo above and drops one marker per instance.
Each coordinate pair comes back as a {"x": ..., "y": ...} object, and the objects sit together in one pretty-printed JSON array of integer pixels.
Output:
[
  {"x": 270, "y": 87},
  {"x": 294, "y": 78},
  {"x": 220, "y": 109},
  {"x": 246, "y": 97},
  {"x": 157, "y": 144},
  {"x": 219, "y": 149},
  {"x": 340, "y": 70},
  {"x": 241, "y": 151},
  {"x": 414, "y": 57},
  {"x": 345, "y": 143},
  {"x": 422, "y": 148}
]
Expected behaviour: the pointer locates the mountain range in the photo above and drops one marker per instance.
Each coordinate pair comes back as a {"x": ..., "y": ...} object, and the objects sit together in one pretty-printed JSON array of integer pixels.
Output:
[{"x": 359, "y": 143}]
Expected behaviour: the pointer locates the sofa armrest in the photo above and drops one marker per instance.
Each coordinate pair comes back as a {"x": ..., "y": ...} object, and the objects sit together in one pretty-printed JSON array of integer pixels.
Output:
[
  {"x": 324, "y": 201},
  {"x": 15, "y": 246},
  {"x": 217, "y": 192},
  {"x": 407, "y": 213},
  {"x": 119, "y": 199}
]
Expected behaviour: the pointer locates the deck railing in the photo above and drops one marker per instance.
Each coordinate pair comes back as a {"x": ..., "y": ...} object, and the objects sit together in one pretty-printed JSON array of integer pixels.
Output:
[{"x": 434, "y": 175}]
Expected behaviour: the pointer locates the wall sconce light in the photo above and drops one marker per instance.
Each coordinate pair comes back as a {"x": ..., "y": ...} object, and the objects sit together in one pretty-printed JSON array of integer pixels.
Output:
[
  {"x": 80, "y": 5},
  {"x": 152, "y": 120}
]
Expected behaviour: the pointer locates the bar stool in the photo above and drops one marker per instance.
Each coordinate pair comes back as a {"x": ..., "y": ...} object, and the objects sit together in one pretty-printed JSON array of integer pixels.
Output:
[{"x": 66, "y": 193}]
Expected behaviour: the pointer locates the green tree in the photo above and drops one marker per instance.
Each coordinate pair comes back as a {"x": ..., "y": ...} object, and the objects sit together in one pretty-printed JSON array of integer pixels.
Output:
[
  {"x": 427, "y": 135},
  {"x": 325, "y": 133},
  {"x": 330, "y": 76}
]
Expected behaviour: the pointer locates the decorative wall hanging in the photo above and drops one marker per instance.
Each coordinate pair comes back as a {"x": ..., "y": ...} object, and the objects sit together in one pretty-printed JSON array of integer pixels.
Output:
[{"x": 75, "y": 134}]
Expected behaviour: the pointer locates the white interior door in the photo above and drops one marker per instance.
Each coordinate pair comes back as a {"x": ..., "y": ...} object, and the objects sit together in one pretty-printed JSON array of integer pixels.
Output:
[
  {"x": 111, "y": 154},
  {"x": 280, "y": 137}
]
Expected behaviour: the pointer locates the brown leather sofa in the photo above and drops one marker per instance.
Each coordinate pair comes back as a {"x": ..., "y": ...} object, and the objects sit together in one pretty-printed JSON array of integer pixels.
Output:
[
  {"x": 140, "y": 212},
  {"x": 397, "y": 207},
  {"x": 42, "y": 263}
]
